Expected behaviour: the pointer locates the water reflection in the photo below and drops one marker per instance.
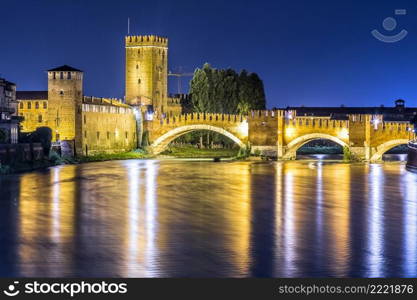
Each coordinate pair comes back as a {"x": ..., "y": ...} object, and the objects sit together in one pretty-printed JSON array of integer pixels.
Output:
[
  {"x": 202, "y": 219},
  {"x": 375, "y": 228},
  {"x": 409, "y": 194}
]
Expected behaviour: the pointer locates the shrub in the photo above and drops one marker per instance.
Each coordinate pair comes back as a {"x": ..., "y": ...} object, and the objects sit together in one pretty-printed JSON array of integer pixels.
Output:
[{"x": 43, "y": 135}]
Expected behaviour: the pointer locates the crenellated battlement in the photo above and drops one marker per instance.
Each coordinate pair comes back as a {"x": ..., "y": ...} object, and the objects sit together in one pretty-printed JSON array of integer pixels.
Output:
[
  {"x": 308, "y": 122},
  {"x": 194, "y": 118},
  {"x": 393, "y": 127},
  {"x": 264, "y": 115},
  {"x": 104, "y": 101},
  {"x": 145, "y": 40}
]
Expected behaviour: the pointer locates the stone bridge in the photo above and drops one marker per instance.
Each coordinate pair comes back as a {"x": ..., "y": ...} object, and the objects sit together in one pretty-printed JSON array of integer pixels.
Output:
[
  {"x": 164, "y": 130},
  {"x": 281, "y": 133}
]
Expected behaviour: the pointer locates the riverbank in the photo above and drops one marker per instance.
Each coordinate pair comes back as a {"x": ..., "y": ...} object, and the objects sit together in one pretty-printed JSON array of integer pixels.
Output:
[{"x": 55, "y": 160}]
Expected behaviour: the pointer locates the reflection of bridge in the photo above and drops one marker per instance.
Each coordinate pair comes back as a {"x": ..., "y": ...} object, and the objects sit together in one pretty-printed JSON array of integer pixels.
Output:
[{"x": 281, "y": 133}]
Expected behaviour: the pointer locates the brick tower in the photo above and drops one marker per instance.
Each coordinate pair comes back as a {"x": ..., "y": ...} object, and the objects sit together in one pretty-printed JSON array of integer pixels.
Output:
[
  {"x": 65, "y": 92},
  {"x": 146, "y": 72}
]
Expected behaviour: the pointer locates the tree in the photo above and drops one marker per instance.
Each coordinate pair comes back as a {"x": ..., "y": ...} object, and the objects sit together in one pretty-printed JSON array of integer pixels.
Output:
[
  {"x": 42, "y": 135},
  {"x": 225, "y": 91}
]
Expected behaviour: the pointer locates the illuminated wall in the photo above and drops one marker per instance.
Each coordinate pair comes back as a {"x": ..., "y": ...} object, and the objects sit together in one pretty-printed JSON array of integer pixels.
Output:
[
  {"x": 146, "y": 71},
  {"x": 34, "y": 112}
]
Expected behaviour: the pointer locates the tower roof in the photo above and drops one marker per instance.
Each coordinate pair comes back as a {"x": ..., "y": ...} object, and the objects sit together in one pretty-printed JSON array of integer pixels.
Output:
[{"x": 65, "y": 68}]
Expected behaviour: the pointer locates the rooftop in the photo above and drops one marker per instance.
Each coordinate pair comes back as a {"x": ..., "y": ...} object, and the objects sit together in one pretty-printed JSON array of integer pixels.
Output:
[
  {"x": 64, "y": 68},
  {"x": 32, "y": 95}
]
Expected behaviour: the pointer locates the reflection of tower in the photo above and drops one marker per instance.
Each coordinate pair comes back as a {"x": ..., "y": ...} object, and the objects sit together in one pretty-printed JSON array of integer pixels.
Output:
[
  {"x": 65, "y": 91},
  {"x": 146, "y": 72}
]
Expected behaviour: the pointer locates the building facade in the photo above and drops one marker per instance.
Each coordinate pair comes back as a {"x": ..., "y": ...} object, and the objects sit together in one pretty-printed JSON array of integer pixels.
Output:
[
  {"x": 95, "y": 125},
  {"x": 89, "y": 125},
  {"x": 8, "y": 107}
]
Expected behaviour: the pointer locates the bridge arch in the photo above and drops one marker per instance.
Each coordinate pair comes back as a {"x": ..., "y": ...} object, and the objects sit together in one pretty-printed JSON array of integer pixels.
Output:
[
  {"x": 162, "y": 142},
  {"x": 381, "y": 149},
  {"x": 295, "y": 144}
]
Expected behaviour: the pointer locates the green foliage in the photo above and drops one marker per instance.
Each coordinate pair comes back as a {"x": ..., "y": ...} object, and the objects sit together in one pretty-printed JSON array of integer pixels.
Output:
[
  {"x": 189, "y": 151},
  {"x": 41, "y": 135},
  {"x": 3, "y": 136},
  {"x": 114, "y": 156},
  {"x": 225, "y": 91},
  {"x": 348, "y": 155},
  {"x": 320, "y": 150},
  {"x": 55, "y": 158},
  {"x": 208, "y": 138},
  {"x": 244, "y": 152}
]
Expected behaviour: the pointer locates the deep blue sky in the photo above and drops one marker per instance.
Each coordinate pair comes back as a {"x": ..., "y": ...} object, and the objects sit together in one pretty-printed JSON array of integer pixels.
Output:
[{"x": 313, "y": 53}]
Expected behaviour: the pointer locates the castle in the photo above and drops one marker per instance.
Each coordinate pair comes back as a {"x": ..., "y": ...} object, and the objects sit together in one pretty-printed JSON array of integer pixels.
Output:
[{"x": 91, "y": 125}]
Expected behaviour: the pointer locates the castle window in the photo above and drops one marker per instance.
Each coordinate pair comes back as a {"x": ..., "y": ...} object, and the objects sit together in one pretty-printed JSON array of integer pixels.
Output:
[
  {"x": 85, "y": 134},
  {"x": 137, "y": 67},
  {"x": 85, "y": 119},
  {"x": 21, "y": 105},
  {"x": 61, "y": 92},
  {"x": 139, "y": 81},
  {"x": 37, "y": 105},
  {"x": 40, "y": 118},
  {"x": 61, "y": 75},
  {"x": 44, "y": 105},
  {"x": 69, "y": 75},
  {"x": 126, "y": 134},
  {"x": 98, "y": 135},
  {"x": 54, "y": 75},
  {"x": 108, "y": 135},
  {"x": 29, "y": 105}
]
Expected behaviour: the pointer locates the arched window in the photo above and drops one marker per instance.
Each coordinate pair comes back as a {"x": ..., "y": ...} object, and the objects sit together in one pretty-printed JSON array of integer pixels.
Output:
[
  {"x": 69, "y": 75},
  {"x": 40, "y": 118},
  {"x": 29, "y": 105},
  {"x": 44, "y": 105},
  {"x": 37, "y": 105},
  {"x": 21, "y": 105}
]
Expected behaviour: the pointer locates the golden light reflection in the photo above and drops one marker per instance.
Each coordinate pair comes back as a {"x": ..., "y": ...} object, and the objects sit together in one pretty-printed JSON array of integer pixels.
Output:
[
  {"x": 133, "y": 219},
  {"x": 289, "y": 235},
  {"x": 375, "y": 247},
  {"x": 240, "y": 221},
  {"x": 338, "y": 183},
  {"x": 142, "y": 227},
  {"x": 409, "y": 191},
  {"x": 46, "y": 215},
  {"x": 151, "y": 216}
]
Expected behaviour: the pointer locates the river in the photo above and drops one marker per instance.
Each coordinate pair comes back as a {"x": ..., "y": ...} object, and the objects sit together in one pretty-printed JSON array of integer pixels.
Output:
[{"x": 178, "y": 218}]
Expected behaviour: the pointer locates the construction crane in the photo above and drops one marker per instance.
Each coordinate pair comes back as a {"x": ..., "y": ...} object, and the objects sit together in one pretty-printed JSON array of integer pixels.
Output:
[{"x": 179, "y": 76}]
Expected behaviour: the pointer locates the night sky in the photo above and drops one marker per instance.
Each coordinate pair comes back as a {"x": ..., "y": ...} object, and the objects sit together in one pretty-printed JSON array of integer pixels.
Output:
[{"x": 313, "y": 53}]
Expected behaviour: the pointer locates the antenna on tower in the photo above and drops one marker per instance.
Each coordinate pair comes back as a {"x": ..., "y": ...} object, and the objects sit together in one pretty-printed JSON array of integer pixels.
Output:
[{"x": 128, "y": 26}]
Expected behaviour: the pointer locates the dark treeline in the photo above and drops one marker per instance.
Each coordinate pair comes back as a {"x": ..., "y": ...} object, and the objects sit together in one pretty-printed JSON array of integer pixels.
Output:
[{"x": 226, "y": 91}]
